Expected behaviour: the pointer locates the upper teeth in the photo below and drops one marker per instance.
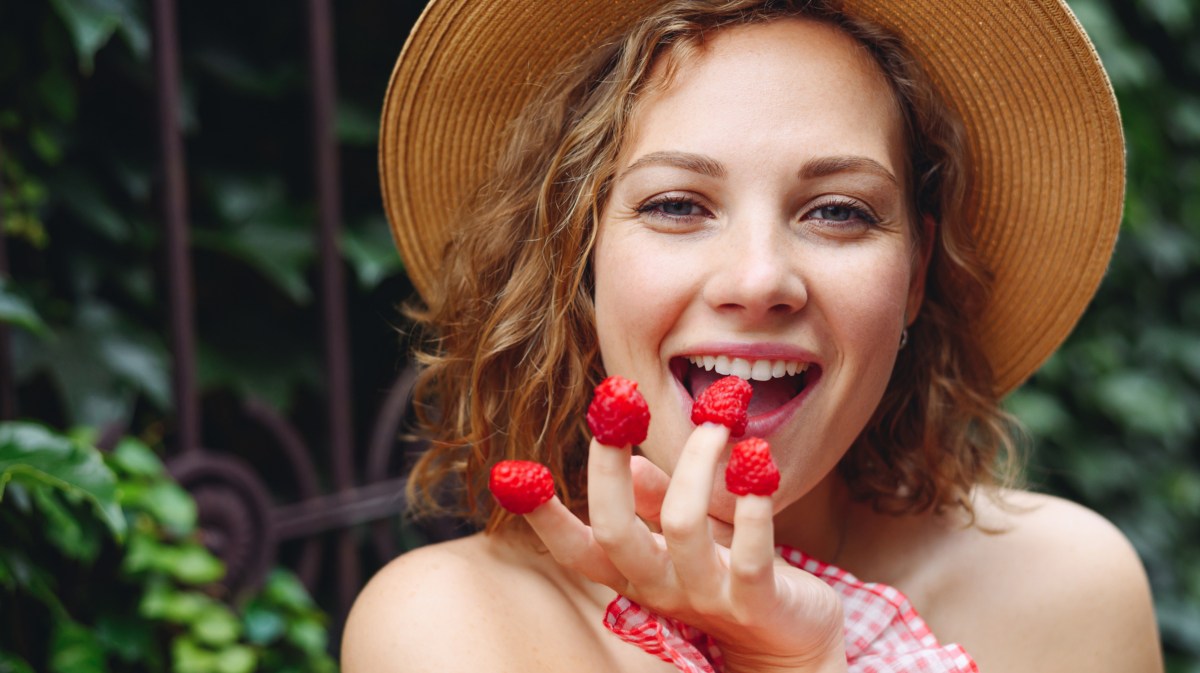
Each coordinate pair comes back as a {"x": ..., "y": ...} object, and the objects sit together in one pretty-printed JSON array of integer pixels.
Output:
[{"x": 758, "y": 370}]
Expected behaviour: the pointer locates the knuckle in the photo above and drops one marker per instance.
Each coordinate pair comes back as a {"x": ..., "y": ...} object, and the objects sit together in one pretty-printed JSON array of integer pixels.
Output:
[
  {"x": 680, "y": 522},
  {"x": 746, "y": 572},
  {"x": 609, "y": 534}
]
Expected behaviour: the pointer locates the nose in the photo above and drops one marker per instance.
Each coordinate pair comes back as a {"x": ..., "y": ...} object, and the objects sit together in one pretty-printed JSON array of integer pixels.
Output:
[{"x": 757, "y": 274}]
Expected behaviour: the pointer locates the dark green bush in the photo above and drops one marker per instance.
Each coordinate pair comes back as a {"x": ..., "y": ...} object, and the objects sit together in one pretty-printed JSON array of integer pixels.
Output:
[
  {"x": 101, "y": 570},
  {"x": 1116, "y": 412}
]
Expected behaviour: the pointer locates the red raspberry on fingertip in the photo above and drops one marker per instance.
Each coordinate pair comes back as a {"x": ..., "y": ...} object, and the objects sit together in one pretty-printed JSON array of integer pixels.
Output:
[
  {"x": 521, "y": 486},
  {"x": 751, "y": 470},
  {"x": 618, "y": 415},
  {"x": 724, "y": 402}
]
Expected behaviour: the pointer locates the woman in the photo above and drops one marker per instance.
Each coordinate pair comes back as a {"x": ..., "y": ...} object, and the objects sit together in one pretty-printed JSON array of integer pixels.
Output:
[{"x": 885, "y": 215}]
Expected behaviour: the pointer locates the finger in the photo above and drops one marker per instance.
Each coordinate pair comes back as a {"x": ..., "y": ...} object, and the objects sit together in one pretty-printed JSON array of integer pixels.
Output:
[
  {"x": 684, "y": 517},
  {"x": 752, "y": 554},
  {"x": 649, "y": 488},
  {"x": 571, "y": 543},
  {"x": 611, "y": 512}
]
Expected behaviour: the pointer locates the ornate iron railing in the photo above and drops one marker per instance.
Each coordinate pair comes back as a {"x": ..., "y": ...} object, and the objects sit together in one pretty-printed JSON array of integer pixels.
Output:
[{"x": 240, "y": 518}]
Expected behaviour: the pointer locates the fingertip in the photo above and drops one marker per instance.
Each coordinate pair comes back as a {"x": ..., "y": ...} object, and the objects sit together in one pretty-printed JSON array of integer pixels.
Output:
[
  {"x": 752, "y": 552},
  {"x": 713, "y": 431},
  {"x": 598, "y": 444}
]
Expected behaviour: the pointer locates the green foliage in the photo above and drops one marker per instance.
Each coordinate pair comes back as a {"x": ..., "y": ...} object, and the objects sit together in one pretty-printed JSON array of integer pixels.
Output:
[
  {"x": 101, "y": 565},
  {"x": 16, "y": 310},
  {"x": 1116, "y": 412},
  {"x": 124, "y": 584},
  {"x": 78, "y": 203},
  {"x": 47, "y": 465}
]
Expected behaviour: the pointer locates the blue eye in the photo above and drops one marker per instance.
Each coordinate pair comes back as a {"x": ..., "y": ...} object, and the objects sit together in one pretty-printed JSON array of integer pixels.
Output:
[
  {"x": 842, "y": 212},
  {"x": 834, "y": 213},
  {"x": 672, "y": 207},
  {"x": 677, "y": 208}
]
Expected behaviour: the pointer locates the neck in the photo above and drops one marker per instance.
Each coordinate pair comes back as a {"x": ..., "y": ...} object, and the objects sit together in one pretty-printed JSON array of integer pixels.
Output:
[{"x": 818, "y": 523}]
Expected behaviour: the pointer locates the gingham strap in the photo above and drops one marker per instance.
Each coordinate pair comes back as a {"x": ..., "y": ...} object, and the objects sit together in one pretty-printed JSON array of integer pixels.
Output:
[{"x": 884, "y": 634}]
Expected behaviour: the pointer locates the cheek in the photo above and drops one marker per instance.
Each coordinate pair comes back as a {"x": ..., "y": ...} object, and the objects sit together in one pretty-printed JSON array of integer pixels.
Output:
[
  {"x": 642, "y": 296},
  {"x": 637, "y": 296},
  {"x": 872, "y": 296},
  {"x": 863, "y": 302}
]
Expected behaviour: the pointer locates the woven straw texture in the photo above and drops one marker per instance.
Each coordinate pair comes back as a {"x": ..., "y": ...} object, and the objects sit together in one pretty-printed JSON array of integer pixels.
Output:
[{"x": 1044, "y": 137}]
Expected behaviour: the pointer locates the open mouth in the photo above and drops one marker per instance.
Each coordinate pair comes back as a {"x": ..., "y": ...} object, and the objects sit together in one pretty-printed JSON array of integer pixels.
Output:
[{"x": 775, "y": 382}]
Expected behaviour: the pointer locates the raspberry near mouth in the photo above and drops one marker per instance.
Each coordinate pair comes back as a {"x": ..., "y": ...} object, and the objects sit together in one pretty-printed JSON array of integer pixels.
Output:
[{"x": 769, "y": 394}]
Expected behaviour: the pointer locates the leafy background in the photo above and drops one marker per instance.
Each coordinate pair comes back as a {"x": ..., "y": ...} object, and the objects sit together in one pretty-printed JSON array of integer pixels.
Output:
[{"x": 1114, "y": 415}]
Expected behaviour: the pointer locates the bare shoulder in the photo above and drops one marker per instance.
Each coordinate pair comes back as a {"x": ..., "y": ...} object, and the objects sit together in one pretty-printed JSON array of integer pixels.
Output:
[
  {"x": 1043, "y": 584},
  {"x": 482, "y": 603},
  {"x": 412, "y": 612}
]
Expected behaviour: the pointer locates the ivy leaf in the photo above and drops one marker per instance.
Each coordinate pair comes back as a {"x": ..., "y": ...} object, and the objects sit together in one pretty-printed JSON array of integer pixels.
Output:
[
  {"x": 269, "y": 371},
  {"x": 233, "y": 70},
  {"x": 276, "y": 247},
  {"x": 134, "y": 458},
  {"x": 263, "y": 626},
  {"x": 1041, "y": 412},
  {"x": 64, "y": 530},
  {"x": 284, "y": 589},
  {"x": 92, "y": 23},
  {"x": 173, "y": 507},
  {"x": 187, "y": 656},
  {"x": 173, "y": 605},
  {"x": 1145, "y": 403},
  {"x": 356, "y": 125},
  {"x": 17, "y": 568},
  {"x": 216, "y": 626},
  {"x": 92, "y": 207},
  {"x": 11, "y": 663},
  {"x": 371, "y": 252},
  {"x": 308, "y": 635},
  {"x": 16, "y": 310},
  {"x": 75, "y": 649},
  {"x": 35, "y": 455},
  {"x": 99, "y": 363},
  {"x": 236, "y": 659},
  {"x": 124, "y": 634},
  {"x": 193, "y": 564}
]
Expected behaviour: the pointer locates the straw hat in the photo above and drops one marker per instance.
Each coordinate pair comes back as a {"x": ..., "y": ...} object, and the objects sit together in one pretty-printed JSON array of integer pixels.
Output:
[{"x": 1044, "y": 136}]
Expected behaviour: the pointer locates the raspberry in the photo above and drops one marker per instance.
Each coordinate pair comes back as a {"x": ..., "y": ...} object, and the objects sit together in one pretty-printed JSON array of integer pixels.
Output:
[
  {"x": 521, "y": 486},
  {"x": 751, "y": 471},
  {"x": 725, "y": 403},
  {"x": 618, "y": 415}
]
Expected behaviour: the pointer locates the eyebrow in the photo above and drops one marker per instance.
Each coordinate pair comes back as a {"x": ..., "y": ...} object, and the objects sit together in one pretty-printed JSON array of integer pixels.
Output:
[
  {"x": 696, "y": 163},
  {"x": 814, "y": 168},
  {"x": 825, "y": 166}
]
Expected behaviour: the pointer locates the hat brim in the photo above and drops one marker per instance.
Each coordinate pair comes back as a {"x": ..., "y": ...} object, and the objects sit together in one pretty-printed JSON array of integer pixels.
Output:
[{"x": 1044, "y": 137}]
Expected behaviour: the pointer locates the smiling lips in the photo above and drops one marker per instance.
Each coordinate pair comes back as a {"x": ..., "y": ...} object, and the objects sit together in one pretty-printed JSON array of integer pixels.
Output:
[{"x": 775, "y": 382}]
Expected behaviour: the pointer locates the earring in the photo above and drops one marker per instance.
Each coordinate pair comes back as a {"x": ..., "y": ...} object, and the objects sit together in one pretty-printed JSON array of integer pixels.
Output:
[{"x": 903, "y": 339}]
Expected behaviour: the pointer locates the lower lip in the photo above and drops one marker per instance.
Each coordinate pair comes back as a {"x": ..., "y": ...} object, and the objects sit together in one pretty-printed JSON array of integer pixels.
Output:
[
  {"x": 762, "y": 425},
  {"x": 765, "y": 425}
]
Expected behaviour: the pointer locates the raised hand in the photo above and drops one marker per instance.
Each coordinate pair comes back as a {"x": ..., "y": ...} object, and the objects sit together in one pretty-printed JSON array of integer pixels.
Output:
[{"x": 764, "y": 614}]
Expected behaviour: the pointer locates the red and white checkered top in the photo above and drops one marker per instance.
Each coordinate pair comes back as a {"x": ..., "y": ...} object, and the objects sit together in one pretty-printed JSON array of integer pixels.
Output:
[{"x": 884, "y": 634}]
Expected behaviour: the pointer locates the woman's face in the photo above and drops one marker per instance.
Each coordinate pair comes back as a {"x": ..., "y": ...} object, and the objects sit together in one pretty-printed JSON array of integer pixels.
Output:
[{"x": 757, "y": 225}]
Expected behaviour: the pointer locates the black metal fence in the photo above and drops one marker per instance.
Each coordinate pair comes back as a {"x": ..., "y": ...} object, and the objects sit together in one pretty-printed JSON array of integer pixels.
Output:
[{"x": 242, "y": 519}]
